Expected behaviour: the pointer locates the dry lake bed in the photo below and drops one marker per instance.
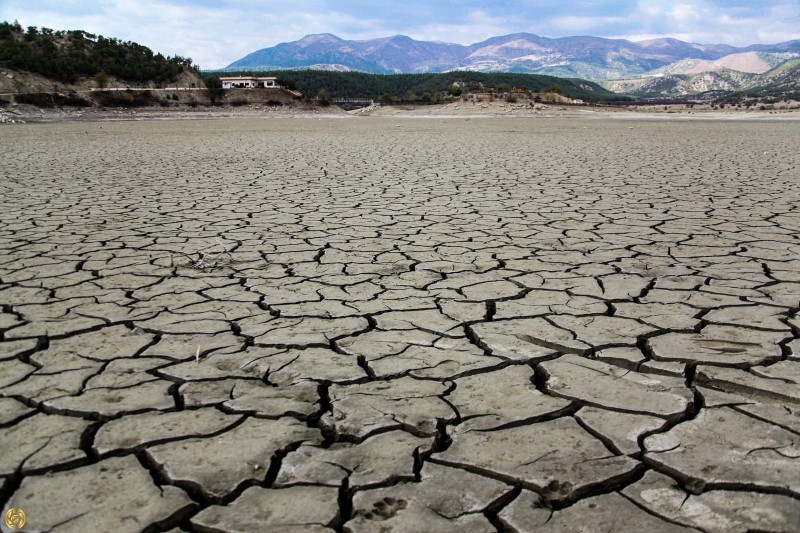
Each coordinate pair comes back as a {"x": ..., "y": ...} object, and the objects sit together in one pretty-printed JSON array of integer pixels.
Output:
[{"x": 396, "y": 324}]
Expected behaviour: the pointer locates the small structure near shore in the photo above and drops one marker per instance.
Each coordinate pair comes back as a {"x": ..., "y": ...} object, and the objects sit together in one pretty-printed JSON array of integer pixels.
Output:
[{"x": 249, "y": 82}]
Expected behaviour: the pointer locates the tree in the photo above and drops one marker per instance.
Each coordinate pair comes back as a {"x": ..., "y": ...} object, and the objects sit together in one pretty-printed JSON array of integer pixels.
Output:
[
  {"x": 215, "y": 90},
  {"x": 101, "y": 79},
  {"x": 287, "y": 83},
  {"x": 324, "y": 97}
]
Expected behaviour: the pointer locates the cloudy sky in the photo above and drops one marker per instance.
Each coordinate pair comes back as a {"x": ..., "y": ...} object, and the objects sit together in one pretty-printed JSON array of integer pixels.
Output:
[{"x": 217, "y": 32}]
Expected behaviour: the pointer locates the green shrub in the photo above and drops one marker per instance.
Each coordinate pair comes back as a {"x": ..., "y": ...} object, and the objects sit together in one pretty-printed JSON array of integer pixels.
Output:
[
  {"x": 37, "y": 99},
  {"x": 73, "y": 100},
  {"x": 324, "y": 97},
  {"x": 125, "y": 98},
  {"x": 47, "y": 100},
  {"x": 455, "y": 90}
]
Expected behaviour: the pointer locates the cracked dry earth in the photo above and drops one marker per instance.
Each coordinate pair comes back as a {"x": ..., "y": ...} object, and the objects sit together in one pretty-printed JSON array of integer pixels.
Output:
[{"x": 401, "y": 325}]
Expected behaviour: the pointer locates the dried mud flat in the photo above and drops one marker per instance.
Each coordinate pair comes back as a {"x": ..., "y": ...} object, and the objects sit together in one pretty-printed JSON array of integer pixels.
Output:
[{"x": 372, "y": 324}]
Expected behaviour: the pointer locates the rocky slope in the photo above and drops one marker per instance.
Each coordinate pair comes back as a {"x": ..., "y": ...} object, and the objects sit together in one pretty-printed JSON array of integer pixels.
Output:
[
  {"x": 16, "y": 81},
  {"x": 782, "y": 81}
]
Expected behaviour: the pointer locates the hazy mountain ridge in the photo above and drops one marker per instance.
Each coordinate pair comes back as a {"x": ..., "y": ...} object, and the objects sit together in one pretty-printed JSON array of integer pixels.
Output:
[
  {"x": 782, "y": 81},
  {"x": 581, "y": 56},
  {"x": 750, "y": 62}
]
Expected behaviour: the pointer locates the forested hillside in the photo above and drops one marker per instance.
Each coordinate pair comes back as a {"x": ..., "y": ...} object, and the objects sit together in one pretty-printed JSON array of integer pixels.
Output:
[
  {"x": 66, "y": 56},
  {"x": 426, "y": 86}
]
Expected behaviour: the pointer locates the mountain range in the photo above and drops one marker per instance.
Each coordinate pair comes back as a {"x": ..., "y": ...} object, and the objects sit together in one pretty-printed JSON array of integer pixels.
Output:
[{"x": 586, "y": 57}]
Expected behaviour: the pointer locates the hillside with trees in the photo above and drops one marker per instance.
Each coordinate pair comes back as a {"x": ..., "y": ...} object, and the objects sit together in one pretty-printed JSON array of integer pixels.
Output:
[
  {"x": 426, "y": 87},
  {"x": 67, "y": 56}
]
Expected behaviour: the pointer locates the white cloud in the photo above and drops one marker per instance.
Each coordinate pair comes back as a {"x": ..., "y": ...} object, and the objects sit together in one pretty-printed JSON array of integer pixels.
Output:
[
  {"x": 477, "y": 26},
  {"x": 714, "y": 22},
  {"x": 216, "y": 33},
  {"x": 577, "y": 23},
  {"x": 687, "y": 13}
]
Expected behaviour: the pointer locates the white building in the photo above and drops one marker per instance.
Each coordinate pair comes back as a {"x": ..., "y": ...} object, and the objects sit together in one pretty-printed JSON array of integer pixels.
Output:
[{"x": 249, "y": 82}]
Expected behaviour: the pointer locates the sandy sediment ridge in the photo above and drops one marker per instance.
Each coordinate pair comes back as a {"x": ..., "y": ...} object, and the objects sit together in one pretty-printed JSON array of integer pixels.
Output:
[{"x": 26, "y": 113}]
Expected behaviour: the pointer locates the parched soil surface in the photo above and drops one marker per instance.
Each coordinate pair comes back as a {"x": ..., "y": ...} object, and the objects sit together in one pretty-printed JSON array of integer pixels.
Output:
[{"x": 375, "y": 324}]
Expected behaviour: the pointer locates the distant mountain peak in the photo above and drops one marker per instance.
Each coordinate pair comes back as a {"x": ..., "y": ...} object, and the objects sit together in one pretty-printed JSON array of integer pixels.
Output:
[
  {"x": 660, "y": 41},
  {"x": 317, "y": 38}
]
